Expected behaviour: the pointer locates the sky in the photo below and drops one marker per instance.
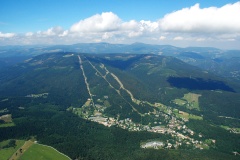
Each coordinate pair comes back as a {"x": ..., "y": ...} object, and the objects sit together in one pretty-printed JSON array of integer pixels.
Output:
[{"x": 180, "y": 23}]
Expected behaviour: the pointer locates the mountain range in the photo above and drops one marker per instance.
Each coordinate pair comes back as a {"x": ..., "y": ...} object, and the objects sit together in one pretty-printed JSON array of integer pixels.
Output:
[
  {"x": 185, "y": 98},
  {"x": 222, "y": 62}
]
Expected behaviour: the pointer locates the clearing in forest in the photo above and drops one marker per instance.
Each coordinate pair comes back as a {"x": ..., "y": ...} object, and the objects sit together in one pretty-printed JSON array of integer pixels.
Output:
[
  {"x": 32, "y": 150},
  {"x": 190, "y": 101},
  {"x": 6, "y": 150},
  {"x": 40, "y": 152}
]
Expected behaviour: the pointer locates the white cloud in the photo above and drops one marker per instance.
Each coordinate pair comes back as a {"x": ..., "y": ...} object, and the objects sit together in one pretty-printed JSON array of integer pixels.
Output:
[
  {"x": 162, "y": 37},
  {"x": 200, "y": 39},
  {"x": 54, "y": 31},
  {"x": 178, "y": 38},
  {"x": 149, "y": 26},
  {"x": 107, "y": 35},
  {"x": 64, "y": 33},
  {"x": 231, "y": 39},
  {"x": 6, "y": 35},
  {"x": 225, "y": 19},
  {"x": 110, "y": 22},
  {"x": 29, "y": 34},
  {"x": 188, "y": 26},
  {"x": 105, "y": 22}
]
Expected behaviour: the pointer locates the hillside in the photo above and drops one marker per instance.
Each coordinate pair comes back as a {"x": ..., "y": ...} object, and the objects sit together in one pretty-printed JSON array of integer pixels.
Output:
[
  {"x": 67, "y": 98},
  {"x": 222, "y": 62}
]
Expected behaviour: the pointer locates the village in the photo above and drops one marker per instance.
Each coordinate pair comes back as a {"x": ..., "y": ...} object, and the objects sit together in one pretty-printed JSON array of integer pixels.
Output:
[{"x": 174, "y": 126}]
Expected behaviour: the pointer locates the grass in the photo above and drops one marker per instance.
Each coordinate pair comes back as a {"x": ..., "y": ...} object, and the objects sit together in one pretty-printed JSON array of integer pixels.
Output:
[
  {"x": 16, "y": 155},
  {"x": 7, "y": 121},
  {"x": 228, "y": 128},
  {"x": 7, "y": 125},
  {"x": 6, "y": 153},
  {"x": 187, "y": 116},
  {"x": 41, "y": 152},
  {"x": 225, "y": 127},
  {"x": 190, "y": 101},
  {"x": 180, "y": 102}
]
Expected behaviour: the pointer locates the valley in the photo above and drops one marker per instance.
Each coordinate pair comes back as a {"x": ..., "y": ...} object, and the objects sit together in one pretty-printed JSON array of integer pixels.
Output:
[
  {"x": 166, "y": 119},
  {"x": 88, "y": 105}
]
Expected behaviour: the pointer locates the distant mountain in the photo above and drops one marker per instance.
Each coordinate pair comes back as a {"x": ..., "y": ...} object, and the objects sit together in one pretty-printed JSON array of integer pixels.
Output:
[
  {"x": 222, "y": 62},
  {"x": 99, "y": 48}
]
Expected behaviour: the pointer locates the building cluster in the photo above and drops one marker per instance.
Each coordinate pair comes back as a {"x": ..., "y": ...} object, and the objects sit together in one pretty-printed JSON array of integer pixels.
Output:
[{"x": 165, "y": 122}]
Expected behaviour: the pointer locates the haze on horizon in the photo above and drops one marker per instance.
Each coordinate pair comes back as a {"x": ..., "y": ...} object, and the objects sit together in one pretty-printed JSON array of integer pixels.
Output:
[{"x": 192, "y": 23}]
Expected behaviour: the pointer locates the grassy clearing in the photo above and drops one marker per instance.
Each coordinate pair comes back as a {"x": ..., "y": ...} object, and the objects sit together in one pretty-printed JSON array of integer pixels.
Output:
[
  {"x": 186, "y": 115},
  {"x": 180, "y": 102},
  {"x": 7, "y": 125},
  {"x": 21, "y": 150},
  {"x": 6, "y": 118},
  {"x": 225, "y": 127},
  {"x": 190, "y": 101},
  {"x": 229, "y": 128},
  {"x": 41, "y": 152},
  {"x": 6, "y": 153},
  {"x": 7, "y": 121}
]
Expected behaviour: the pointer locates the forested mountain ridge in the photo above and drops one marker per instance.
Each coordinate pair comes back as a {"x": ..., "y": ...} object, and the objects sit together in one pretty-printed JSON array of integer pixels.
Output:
[
  {"x": 136, "y": 92},
  {"x": 218, "y": 61}
]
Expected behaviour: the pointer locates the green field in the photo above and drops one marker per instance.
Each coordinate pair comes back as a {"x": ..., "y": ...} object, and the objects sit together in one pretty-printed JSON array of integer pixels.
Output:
[
  {"x": 186, "y": 115},
  {"x": 6, "y": 153},
  {"x": 7, "y": 124},
  {"x": 41, "y": 152},
  {"x": 190, "y": 101}
]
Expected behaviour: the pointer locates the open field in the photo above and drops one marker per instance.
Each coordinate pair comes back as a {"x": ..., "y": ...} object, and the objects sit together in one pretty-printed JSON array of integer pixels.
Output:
[
  {"x": 7, "y": 121},
  {"x": 21, "y": 150},
  {"x": 6, "y": 153},
  {"x": 189, "y": 100},
  {"x": 42, "y": 152},
  {"x": 186, "y": 115},
  {"x": 7, "y": 125}
]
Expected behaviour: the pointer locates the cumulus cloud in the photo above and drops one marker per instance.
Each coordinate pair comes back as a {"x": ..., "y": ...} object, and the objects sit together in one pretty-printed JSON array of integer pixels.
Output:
[
  {"x": 63, "y": 34},
  {"x": 29, "y": 34},
  {"x": 200, "y": 39},
  {"x": 6, "y": 35},
  {"x": 54, "y": 31},
  {"x": 148, "y": 26},
  {"x": 225, "y": 19},
  {"x": 178, "y": 38},
  {"x": 108, "y": 25},
  {"x": 162, "y": 37},
  {"x": 104, "y": 22},
  {"x": 191, "y": 25}
]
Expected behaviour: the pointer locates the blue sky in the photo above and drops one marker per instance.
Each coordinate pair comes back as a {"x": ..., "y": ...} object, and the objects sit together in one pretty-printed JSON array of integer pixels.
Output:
[{"x": 120, "y": 21}]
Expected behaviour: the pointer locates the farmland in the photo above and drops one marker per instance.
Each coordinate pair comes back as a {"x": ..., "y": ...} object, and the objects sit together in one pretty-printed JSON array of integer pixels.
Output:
[{"x": 42, "y": 152}]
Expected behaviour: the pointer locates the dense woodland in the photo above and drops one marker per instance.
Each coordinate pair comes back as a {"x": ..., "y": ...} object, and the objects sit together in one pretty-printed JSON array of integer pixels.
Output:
[{"x": 82, "y": 139}]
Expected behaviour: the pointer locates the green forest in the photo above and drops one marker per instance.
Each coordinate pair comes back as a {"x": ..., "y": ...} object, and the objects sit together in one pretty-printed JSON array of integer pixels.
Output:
[{"x": 39, "y": 92}]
